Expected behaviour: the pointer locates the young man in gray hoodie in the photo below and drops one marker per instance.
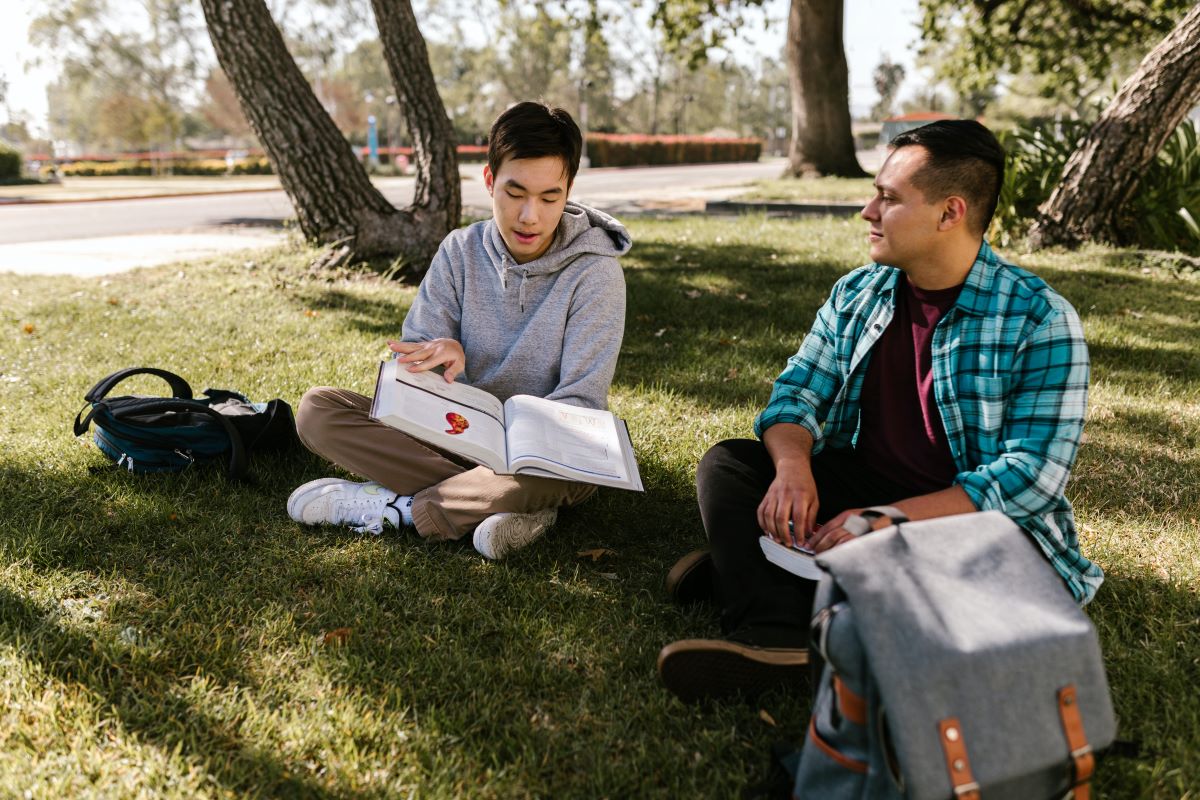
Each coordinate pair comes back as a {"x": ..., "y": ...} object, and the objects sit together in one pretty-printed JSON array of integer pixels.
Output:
[{"x": 531, "y": 301}]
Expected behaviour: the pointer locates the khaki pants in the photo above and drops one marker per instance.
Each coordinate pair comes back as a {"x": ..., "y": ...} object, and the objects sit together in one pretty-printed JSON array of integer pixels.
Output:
[{"x": 451, "y": 495}]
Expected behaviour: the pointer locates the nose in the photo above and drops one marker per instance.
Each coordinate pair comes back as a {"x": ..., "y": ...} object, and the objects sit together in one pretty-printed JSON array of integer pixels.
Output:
[
  {"x": 528, "y": 212},
  {"x": 870, "y": 211}
]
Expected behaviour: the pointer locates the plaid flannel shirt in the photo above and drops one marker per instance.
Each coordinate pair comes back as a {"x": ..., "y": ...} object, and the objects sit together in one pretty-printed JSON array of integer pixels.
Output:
[{"x": 1010, "y": 374}]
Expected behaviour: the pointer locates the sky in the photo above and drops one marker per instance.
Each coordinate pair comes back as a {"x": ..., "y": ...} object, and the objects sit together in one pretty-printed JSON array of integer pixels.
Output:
[{"x": 873, "y": 28}]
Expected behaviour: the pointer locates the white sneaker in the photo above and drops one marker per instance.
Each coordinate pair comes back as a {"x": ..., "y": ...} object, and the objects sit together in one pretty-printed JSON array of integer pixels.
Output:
[
  {"x": 332, "y": 501},
  {"x": 500, "y": 534}
]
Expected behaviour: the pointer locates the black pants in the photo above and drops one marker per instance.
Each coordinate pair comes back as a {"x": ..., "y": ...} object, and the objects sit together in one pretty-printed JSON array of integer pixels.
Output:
[{"x": 760, "y": 603}]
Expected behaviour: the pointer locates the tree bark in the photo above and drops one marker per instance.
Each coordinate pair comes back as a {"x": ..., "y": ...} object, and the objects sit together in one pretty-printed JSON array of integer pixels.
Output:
[
  {"x": 334, "y": 200},
  {"x": 437, "y": 198},
  {"x": 822, "y": 143},
  {"x": 1102, "y": 174}
]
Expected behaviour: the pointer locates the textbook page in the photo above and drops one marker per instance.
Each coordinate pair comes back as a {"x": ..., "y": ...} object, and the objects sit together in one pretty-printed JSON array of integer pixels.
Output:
[
  {"x": 796, "y": 560},
  {"x": 583, "y": 444},
  {"x": 453, "y": 416}
]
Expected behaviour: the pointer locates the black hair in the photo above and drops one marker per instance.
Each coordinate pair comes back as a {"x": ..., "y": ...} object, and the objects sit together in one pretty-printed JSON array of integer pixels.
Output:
[
  {"x": 965, "y": 159},
  {"x": 535, "y": 130}
]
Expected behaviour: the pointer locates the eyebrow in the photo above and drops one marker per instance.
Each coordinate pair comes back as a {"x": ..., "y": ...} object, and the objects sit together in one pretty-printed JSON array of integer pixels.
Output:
[{"x": 515, "y": 185}]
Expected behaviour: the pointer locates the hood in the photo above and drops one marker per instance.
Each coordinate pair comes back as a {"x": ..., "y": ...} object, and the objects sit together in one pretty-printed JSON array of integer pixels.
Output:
[{"x": 581, "y": 231}]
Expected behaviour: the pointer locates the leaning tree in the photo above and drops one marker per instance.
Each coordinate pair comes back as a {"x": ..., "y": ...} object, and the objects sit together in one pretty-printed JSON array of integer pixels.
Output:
[
  {"x": 335, "y": 202},
  {"x": 1102, "y": 174}
]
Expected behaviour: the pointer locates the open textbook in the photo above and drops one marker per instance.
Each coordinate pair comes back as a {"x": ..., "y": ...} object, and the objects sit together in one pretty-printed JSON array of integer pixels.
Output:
[
  {"x": 524, "y": 435},
  {"x": 796, "y": 560}
]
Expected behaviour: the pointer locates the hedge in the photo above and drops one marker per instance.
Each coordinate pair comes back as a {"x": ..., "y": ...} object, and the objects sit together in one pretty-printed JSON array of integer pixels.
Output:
[
  {"x": 629, "y": 150},
  {"x": 604, "y": 150},
  {"x": 10, "y": 162},
  {"x": 204, "y": 166}
]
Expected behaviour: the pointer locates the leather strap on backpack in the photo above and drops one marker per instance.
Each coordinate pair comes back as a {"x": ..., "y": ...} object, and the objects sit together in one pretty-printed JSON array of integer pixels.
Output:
[
  {"x": 864, "y": 522},
  {"x": 1083, "y": 761},
  {"x": 179, "y": 387},
  {"x": 961, "y": 780}
]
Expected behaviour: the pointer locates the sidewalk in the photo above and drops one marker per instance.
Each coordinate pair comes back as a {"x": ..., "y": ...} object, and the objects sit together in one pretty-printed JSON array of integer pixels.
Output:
[{"x": 89, "y": 258}]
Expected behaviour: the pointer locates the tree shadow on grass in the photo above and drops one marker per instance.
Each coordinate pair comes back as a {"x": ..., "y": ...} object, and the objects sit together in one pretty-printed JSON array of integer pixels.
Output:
[
  {"x": 374, "y": 316},
  {"x": 501, "y": 663},
  {"x": 1149, "y": 637},
  {"x": 720, "y": 323},
  {"x": 1139, "y": 460},
  {"x": 144, "y": 699}
]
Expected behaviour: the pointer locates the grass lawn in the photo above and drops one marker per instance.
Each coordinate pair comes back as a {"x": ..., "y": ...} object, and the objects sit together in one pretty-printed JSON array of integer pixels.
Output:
[
  {"x": 178, "y": 636},
  {"x": 850, "y": 190}
]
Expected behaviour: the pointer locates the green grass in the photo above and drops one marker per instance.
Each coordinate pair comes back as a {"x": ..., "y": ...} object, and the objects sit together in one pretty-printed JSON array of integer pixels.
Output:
[
  {"x": 796, "y": 190},
  {"x": 165, "y": 636}
]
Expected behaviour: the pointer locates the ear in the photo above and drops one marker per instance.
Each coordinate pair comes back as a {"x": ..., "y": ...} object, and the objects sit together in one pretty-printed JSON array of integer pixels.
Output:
[
  {"x": 954, "y": 213},
  {"x": 488, "y": 178}
]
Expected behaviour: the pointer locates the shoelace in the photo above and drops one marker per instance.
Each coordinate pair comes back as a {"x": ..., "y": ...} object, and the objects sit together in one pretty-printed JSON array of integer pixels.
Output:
[
  {"x": 360, "y": 514},
  {"x": 370, "y": 524}
]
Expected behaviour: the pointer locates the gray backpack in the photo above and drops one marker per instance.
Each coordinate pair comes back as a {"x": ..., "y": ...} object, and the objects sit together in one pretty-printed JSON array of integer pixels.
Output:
[{"x": 957, "y": 666}]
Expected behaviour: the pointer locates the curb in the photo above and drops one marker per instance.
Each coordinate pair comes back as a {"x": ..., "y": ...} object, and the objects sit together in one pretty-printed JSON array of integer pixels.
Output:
[{"x": 779, "y": 209}]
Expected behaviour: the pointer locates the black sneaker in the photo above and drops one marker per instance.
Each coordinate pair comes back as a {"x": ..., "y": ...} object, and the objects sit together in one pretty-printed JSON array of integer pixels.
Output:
[
  {"x": 704, "y": 669},
  {"x": 691, "y": 579}
]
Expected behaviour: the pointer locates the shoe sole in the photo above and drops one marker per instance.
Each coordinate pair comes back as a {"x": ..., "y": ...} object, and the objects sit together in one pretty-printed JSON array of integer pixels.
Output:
[
  {"x": 690, "y": 580},
  {"x": 707, "y": 669},
  {"x": 499, "y": 530},
  {"x": 301, "y": 491}
]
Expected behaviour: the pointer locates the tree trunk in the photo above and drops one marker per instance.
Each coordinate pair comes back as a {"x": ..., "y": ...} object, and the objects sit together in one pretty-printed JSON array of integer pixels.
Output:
[
  {"x": 822, "y": 143},
  {"x": 335, "y": 202},
  {"x": 1102, "y": 174},
  {"x": 437, "y": 198}
]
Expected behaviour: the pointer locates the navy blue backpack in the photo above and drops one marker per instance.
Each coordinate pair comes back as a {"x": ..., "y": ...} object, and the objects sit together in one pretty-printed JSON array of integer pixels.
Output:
[{"x": 170, "y": 434}]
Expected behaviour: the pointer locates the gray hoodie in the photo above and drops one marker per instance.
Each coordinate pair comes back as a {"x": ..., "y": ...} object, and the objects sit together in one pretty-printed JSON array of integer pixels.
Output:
[{"x": 551, "y": 327}]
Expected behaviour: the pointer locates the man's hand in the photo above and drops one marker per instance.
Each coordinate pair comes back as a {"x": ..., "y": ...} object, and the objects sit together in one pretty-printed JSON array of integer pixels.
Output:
[
  {"x": 422, "y": 356},
  {"x": 831, "y": 534},
  {"x": 792, "y": 497}
]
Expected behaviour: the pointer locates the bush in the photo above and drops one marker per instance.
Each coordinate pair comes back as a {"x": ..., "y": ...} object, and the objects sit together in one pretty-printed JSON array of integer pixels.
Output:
[
  {"x": 255, "y": 165},
  {"x": 1164, "y": 213},
  {"x": 10, "y": 162},
  {"x": 629, "y": 150}
]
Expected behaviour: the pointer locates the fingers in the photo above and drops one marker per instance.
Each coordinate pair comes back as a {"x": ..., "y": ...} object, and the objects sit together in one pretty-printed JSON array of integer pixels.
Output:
[
  {"x": 782, "y": 506},
  {"x": 830, "y": 539},
  {"x": 404, "y": 347},
  {"x": 422, "y": 356}
]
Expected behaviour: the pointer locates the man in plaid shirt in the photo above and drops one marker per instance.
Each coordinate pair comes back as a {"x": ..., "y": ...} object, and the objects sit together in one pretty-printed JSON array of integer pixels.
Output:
[{"x": 938, "y": 379}]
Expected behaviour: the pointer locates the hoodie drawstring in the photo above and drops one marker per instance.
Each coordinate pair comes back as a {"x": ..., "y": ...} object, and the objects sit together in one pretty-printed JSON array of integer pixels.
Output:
[{"x": 521, "y": 293}]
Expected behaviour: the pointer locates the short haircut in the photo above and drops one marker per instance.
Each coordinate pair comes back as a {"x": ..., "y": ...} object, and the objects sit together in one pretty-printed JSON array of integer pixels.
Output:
[
  {"x": 965, "y": 159},
  {"x": 535, "y": 130}
]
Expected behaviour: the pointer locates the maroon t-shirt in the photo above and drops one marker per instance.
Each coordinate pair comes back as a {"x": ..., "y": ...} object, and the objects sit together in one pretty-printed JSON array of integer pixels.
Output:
[{"x": 901, "y": 433}]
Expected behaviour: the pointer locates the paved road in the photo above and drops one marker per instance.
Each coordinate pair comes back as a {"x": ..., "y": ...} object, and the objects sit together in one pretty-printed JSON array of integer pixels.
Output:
[{"x": 621, "y": 190}]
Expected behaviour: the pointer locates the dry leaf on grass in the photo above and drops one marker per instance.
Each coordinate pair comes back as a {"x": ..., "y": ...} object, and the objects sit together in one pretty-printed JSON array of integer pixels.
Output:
[
  {"x": 597, "y": 553},
  {"x": 767, "y": 718},
  {"x": 692, "y": 294},
  {"x": 336, "y": 636}
]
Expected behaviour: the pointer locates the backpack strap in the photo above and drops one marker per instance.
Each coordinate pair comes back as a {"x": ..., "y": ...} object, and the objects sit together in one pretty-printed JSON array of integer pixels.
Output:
[
  {"x": 962, "y": 782},
  {"x": 1083, "y": 763},
  {"x": 179, "y": 387},
  {"x": 237, "y": 451}
]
